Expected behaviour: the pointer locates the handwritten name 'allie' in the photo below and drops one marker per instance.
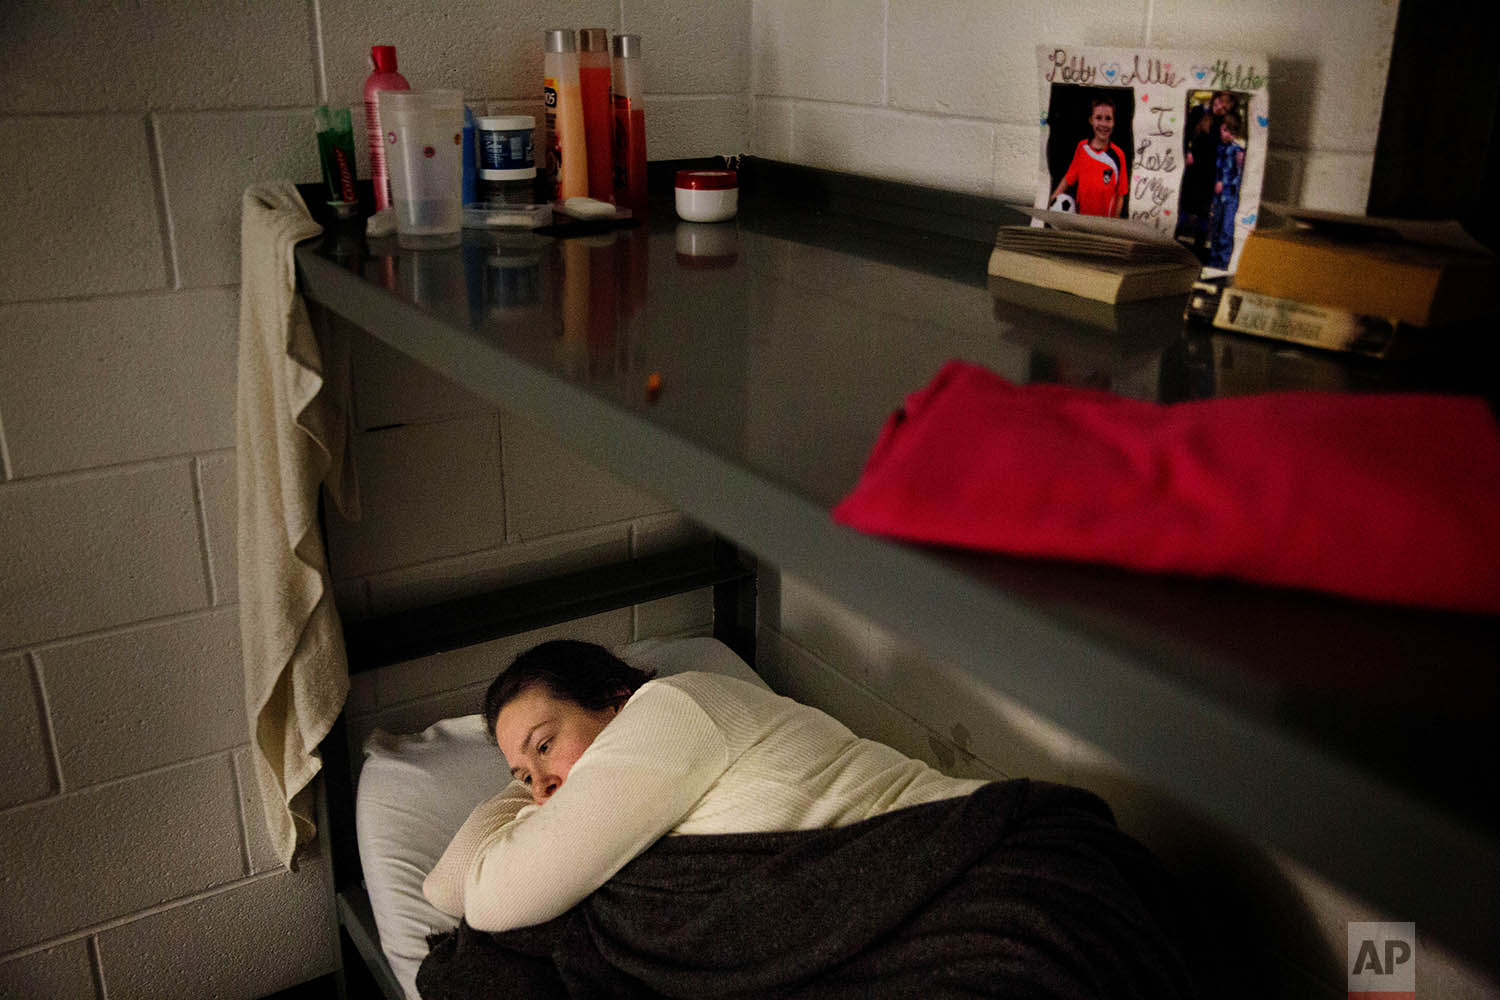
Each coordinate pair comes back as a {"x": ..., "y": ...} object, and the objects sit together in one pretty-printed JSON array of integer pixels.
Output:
[{"x": 1154, "y": 71}]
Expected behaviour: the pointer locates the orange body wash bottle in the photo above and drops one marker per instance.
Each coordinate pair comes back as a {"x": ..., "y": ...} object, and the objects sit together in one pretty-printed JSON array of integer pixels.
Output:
[{"x": 567, "y": 150}]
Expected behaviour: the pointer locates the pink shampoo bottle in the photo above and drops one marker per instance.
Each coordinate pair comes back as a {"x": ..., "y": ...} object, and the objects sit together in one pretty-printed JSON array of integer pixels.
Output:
[{"x": 384, "y": 77}]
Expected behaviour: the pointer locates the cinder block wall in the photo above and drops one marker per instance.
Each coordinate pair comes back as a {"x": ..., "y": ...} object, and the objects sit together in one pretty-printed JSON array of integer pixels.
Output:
[
  {"x": 946, "y": 93},
  {"x": 131, "y": 850}
]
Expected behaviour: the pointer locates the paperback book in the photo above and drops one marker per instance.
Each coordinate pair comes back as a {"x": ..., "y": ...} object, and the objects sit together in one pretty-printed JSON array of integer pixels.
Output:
[
  {"x": 1107, "y": 279},
  {"x": 1110, "y": 260},
  {"x": 1418, "y": 273},
  {"x": 1255, "y": 313},
  {"x": 1084, "y": 235}
]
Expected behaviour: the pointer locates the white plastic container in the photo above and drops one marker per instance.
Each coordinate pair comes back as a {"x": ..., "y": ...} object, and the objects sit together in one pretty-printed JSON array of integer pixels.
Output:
[
  {"x": 503, "y": 215},
  {"x": 707, "y": 195},
  {"x": 505, "y": 148},
  {"x": 424, "y": 144}
]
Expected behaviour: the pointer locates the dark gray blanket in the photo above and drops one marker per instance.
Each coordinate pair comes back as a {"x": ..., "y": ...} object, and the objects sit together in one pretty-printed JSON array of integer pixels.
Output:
[{"x": 1022, "y": 889}]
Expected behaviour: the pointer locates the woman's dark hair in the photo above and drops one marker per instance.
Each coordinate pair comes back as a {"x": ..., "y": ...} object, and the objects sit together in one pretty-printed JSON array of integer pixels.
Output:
[{"x": 584, "y": 673}]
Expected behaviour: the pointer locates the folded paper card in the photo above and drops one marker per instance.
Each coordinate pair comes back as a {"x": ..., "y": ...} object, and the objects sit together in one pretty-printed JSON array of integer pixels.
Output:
[{"x": 1382, "y": 497}]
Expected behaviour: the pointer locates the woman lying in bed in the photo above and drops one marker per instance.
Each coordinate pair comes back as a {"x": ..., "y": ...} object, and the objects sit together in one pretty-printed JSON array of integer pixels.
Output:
[
  {"x": 619, "y": 759},
  {"x": 815, "y": 878}
]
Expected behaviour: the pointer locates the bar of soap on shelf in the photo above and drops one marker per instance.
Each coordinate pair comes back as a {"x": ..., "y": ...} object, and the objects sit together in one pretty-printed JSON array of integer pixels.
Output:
[
  {"x": 382, "y": 223},
  {"x": 592, "y": 208}
]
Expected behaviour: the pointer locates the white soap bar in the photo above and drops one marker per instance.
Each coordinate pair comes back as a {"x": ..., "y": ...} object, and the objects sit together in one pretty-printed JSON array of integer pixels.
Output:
[
  {"x": 588, "y": 208},
  {"x": 382, "y": 223}
]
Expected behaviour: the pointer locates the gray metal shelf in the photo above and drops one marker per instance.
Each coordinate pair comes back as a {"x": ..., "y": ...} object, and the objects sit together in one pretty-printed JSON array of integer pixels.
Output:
[{"x": 780, "y": 352}]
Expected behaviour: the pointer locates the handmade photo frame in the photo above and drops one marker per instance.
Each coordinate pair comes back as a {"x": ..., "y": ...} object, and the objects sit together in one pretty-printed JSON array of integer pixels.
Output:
[{"x": 1172, "y": 139}]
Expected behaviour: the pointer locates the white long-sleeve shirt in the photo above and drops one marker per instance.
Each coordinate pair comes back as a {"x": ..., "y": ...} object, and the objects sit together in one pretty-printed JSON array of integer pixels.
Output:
[{"x": 693, "y": 753}]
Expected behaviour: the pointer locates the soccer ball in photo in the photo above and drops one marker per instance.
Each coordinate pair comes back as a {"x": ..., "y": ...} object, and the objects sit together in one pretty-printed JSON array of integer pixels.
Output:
[{"x": 1063, "y": 203}]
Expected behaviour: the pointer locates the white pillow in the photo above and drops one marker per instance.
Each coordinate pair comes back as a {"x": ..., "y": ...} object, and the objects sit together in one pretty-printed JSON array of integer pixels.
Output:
[{"x": 416, "y": 791}]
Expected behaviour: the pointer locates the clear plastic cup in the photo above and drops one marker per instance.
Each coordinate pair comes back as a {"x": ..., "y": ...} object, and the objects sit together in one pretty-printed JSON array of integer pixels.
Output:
[{"x": 423, "y": 149}]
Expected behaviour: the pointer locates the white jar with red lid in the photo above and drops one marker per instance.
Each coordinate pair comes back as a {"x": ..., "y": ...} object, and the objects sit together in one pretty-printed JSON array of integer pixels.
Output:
[{"x": 707, "y": 195}]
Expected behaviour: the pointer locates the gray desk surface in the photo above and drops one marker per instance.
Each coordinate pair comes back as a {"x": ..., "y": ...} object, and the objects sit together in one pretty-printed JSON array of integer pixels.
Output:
[{"x": 1353, "y": 738}]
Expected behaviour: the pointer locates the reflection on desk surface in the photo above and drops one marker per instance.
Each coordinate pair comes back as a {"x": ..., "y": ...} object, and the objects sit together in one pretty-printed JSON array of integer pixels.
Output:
[{"x": 754, "y": 336}]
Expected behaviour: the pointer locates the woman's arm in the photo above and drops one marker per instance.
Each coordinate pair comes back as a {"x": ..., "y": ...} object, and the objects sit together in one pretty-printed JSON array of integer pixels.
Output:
[
  {"x": 444, "y": 885},
  {"x": 642, "y": 775}
]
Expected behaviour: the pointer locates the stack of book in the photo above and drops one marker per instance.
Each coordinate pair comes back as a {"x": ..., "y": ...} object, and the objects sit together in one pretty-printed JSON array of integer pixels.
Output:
[
  {"x": 1350, "y": 283},
  {"x": 1109, "y": 260},
  {"x": 1102, "y": 335}
]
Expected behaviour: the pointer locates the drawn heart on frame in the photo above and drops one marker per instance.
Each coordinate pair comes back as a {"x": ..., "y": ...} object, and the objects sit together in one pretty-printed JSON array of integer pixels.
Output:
[
  {"x": 1262, "y": 120},
  {"x": 1110, "y": 71},
  {"x": 1200, "y": 73},
  {"x": 1249, "y": 220}
]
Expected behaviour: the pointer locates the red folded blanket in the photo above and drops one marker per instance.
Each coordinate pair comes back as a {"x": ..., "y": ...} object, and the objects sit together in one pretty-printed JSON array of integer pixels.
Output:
[{"x": 1382, "y": 497}]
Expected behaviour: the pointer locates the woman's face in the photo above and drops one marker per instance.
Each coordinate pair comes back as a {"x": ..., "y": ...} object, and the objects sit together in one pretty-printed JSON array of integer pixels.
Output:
[
  {"x": 542, "y": 737},
  {"x": 1103, "y": 120}
]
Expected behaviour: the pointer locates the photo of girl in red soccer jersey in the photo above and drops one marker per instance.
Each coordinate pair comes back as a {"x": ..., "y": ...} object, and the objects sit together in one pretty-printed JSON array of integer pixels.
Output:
[{"x": 1088, "y": 149}]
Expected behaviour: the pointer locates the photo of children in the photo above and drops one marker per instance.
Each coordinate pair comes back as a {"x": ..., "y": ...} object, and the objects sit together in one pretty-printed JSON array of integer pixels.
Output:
[
  {"x": 1161, "y": 145},
  {"x": 1087, "y": 149},
  {"x": 1229, "y": 167},
  {"x": 1214, "y": 164}
]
